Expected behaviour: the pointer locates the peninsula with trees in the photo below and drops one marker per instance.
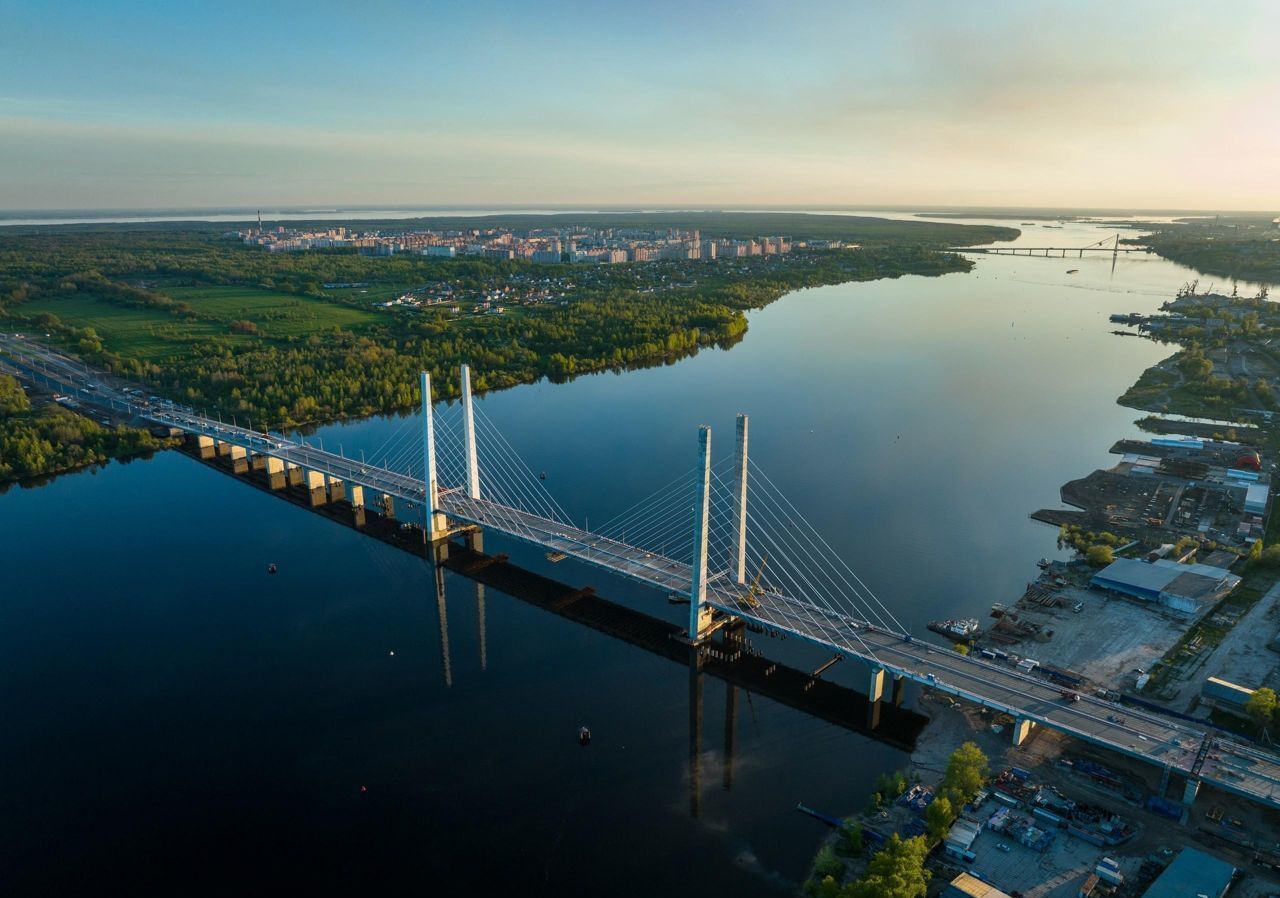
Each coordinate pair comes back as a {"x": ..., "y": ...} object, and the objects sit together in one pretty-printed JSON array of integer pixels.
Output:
[{"x": 293, "y": 338}]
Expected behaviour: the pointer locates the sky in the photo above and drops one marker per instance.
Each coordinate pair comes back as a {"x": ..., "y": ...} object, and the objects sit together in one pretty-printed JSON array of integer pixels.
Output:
[{"x": 123, "y": 104}]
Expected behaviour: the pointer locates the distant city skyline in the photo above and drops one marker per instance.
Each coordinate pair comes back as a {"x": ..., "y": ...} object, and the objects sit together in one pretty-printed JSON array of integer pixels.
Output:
[{"x": 1143, "y": 105}]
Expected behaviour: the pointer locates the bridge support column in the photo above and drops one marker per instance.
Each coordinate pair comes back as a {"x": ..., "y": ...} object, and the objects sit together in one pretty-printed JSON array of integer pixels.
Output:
[
  {"x": 275, "y": 472},
  {"x": 875, "y": 684},
  {"x": 239, "y": 460},
  {"x": 1190, "y": 791},
  {"x": 699, "y": 612},
  {"x": 357, "y": 503},
  {"x": 257, "y": 461},
  {"x": 738, "y": 552},
  {"x": 475, "y": 540},
  {"x": 899, "y": 690},
  {"x": 294, "y": 473},
  {"x": 337, "y": 489},
  {"x": 1021, "y": 730},
  {"x": 434, "y": 525},
  {"x": 388, "y": 507},
  {"x": 222, "y": 448},
  {"x": 315, "y": 488},
  {"x": 205, "y": 446},
  {"x": 469, "y": 435}
]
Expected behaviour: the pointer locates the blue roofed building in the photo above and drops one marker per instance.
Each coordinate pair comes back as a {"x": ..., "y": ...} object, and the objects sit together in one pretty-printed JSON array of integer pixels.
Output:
[
  {"x": 1186, "y": 588},
  {"x": 1191, "y": 875}
]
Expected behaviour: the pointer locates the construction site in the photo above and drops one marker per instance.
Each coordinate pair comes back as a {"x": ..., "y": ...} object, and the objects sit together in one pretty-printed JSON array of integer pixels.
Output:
[
  {"x": 1060, "y": 819},
  {"x": 1173, "y": 487}
]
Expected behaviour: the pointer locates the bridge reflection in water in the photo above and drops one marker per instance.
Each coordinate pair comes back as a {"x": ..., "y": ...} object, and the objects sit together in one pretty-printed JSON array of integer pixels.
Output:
[{"x": 729, "y": 656}]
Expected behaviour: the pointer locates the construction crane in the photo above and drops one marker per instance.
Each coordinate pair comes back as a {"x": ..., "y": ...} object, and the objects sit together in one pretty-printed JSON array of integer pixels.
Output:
[{"x": 754, "y": 590}]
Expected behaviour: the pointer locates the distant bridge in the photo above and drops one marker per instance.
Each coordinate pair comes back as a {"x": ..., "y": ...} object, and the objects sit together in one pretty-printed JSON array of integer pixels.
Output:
[
  {"x": 1106, "y": 245},
  {"x": 722, "y": 536}
]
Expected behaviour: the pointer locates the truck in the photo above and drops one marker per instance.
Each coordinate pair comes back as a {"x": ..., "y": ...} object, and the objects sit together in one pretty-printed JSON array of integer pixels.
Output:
[{"x": 1071, "y": 695}]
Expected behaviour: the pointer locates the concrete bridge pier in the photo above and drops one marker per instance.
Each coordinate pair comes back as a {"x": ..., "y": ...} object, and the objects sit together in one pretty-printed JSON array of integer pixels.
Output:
[
  {"x": 275, "y": 472},
  {"x": 1190, "y": 791},
  {"x": 239, "y": 460},
  {"x": 204, "y": 444},
  {"x": 337, "y": 489},
  {"x": 873, "y": 714},
  {"x": 221, "y": 448},
  {"x": 875, "y": 692},
  {"x": 899, "y": 690},
  {"x": 357, "y": 504},
  {"x": 1022, "y": 728},
  {"x": 388, "y": 507},
  {"x": 315, "y": 489},
  {"x": 258, "y": 461},
  {"x": 875, "y": 684},
  {"x": 294, "y": 474}
]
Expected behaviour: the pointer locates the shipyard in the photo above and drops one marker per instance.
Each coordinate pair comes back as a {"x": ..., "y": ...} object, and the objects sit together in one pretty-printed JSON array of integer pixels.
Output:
[{"x": 1165, "y": 597}]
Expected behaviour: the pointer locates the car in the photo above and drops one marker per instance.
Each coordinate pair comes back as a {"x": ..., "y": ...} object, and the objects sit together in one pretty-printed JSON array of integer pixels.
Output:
[{"x": 1002, "y": 847}]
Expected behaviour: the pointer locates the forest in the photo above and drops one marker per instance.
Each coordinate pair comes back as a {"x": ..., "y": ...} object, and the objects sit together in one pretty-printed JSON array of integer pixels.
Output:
[
  {"x": 311, "y": 355},
  {"x": 1235, "y": 248},
  {"x": 52, "y": 439}
]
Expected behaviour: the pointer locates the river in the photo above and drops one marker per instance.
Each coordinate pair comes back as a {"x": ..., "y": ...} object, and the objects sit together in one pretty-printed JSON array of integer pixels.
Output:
[{"x": 179, "y": 720}]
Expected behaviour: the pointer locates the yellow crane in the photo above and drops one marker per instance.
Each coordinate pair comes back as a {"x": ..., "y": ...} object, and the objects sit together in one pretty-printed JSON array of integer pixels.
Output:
[{"x": 754, "y": 590}]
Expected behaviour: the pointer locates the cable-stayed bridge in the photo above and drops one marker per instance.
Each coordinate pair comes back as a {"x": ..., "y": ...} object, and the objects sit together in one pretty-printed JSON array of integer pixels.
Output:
[{"x": 722, "y": 536}]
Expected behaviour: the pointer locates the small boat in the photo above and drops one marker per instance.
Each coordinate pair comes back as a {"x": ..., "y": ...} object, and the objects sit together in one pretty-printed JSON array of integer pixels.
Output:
[
  {"x": 542, "y": 476},
  {"x": 1073, "y": 271},
  {"x": 962, "y": 628},
  {"x": 271, "y": 568},
  {"x": 1043, "y": 563},
  {"x": 584, "y": 736},
  {"x": 554, "y": 557}
]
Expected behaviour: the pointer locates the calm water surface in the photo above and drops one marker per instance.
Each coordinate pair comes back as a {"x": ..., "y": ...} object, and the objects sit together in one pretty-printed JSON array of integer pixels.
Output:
[{"x": 178, "y": 722}]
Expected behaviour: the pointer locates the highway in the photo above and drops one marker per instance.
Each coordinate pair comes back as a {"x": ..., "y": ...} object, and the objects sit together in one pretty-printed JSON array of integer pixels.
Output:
[{"x": 1156, "y": 739}]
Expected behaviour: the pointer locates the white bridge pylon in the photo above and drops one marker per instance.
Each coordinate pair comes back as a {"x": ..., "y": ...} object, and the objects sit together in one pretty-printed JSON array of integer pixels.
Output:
[{"x": 731, "y": 543}]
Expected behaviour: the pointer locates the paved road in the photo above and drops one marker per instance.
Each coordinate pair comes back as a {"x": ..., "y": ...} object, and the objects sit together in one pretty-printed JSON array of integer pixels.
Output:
[{"x": 1162, "y": 741}]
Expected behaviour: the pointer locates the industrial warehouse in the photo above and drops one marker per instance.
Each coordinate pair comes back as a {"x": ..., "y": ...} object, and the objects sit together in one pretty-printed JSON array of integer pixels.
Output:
[{"x": 1185, "y": 588}]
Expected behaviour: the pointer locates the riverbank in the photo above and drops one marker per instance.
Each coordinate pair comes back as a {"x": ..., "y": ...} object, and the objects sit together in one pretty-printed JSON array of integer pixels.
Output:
[{"x": 38, "y": 440}]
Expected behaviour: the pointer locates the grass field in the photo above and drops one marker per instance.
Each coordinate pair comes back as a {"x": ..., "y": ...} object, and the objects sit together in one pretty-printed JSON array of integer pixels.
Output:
[
  {"x": 153, "y": 334},
  {"x": 276, "y": 314},
  {"x": 147, "y": 334}
]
